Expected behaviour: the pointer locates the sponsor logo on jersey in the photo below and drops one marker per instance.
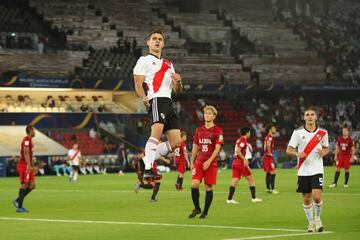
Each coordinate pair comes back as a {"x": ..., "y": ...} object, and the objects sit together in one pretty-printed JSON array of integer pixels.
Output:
[{"x": 205, "y": 141}]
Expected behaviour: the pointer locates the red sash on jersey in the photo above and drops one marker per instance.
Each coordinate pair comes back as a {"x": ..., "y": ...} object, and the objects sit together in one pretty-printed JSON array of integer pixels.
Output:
[
  {"x": 74, "y": 156},
  {"x": 159, "y": 76},
  {"x": 311, "y": 145}
]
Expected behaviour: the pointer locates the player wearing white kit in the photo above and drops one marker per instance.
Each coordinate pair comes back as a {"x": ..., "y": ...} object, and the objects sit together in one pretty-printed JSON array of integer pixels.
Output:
[
  {"x": 159, "y": 78},
  {"x": 74, "y": 155},
  {"x": 310, "y": 144}
]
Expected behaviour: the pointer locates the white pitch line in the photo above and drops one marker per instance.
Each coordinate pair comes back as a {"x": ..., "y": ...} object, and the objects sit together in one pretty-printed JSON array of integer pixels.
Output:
[
  {"x": 278, "y": 236},
  {"x": 151, "y": 224},
  {"x": 131, "y": 191}
]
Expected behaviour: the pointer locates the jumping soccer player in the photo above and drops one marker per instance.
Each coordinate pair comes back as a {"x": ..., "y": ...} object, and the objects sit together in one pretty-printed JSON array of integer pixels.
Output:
[
  {"x": 268, "y": 160},
  {"x": 207, "y": 143},
  {"x": 160, "y": 79},
  {"x": 310, "y": 144},
  {"x": 344, "y": 155},
  {"x": 240, "y": 167},
  {"x": 26, "y": 169},
  {"x": 180, "y": 161}
]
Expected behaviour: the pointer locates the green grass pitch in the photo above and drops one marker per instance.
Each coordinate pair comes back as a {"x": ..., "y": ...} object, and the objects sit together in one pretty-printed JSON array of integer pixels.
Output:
[{"x": 105, "y": 207}]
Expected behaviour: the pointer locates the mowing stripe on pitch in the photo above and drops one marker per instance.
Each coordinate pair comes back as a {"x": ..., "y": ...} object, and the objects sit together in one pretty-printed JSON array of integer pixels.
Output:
[
  {"x": 149, "y": 224},
  {"x": 278, "y": 236}
]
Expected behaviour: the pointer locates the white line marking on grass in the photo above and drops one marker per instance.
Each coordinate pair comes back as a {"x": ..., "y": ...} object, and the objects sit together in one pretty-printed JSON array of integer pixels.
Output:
[
  {"x": 277, "y": 236},
  {"x": 131, "y": 191},
  {"x": 150, "y": 224}
]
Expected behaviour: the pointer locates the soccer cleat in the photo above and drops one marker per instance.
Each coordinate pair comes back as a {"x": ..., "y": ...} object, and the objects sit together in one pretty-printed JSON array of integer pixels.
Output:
[
  {"x": 256, "y": 200},
  {"x": 194, "y": 213},
  {"x": 332, "y": 185},
  {"x": 136, "y": 187},
  {"x": 15, "y": 203},
  {"x": 232, "y": 201},
  {"x": 274, "y": 192},
  {"x": 346, "y": 185},
  {"x": 152, "y": 200},
  {"x": 268, "y": 191},
  {"x": 203, "y": 215},
  {"x": 311, "y": 228},
  {"x": 22, "y": 210},
  {"x": 149, "y": 174},
  {"x": 319, "y": 226}
]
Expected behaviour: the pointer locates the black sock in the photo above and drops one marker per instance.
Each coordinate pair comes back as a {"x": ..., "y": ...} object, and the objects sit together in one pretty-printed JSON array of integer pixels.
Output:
[
  {"x": 155, "y": 190},
  {"x": 28, "y": 190},
  {"x": 195, "y": 195},
  {"x": 252, "y": 190},
  {"x": 146, "y": 186},
  {"x": 231, "y": 192},
  {"x": 208, "y": 200},
  {"x": 347, "y": 175},
  {"x": 272, "y": 183},
  {"x": 337, "y": 175},
  {"x": 180, "y": 182},
  {"x": 21, "y": 197},
  {"x": 267, "y": 181}
]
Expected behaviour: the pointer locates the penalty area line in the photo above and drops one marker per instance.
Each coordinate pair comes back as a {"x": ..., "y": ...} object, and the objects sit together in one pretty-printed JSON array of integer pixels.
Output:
[
  {"x": 150, "y": 224},
  {"x": 280, "y": 235}
]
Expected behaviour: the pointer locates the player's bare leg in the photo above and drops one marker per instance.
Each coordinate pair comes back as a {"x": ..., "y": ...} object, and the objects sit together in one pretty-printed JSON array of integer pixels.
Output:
[
  {"x": 233, "y": 185},
  {"x": 336, "y": 177},
  {"x": 347, "y": 176},
  {"x": 251, "y": 181},
  {"x": 195, "y": 195},
  {"x": 150, "y": 149},
  {"x": 308, "y": 209}
]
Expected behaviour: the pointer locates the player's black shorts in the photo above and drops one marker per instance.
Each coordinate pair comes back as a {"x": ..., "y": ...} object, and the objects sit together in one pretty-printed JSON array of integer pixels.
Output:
[
  {"x": 75, "y": 167},
  {"x": 306, "y": 184},
  {"x": 162, "y": 110}
]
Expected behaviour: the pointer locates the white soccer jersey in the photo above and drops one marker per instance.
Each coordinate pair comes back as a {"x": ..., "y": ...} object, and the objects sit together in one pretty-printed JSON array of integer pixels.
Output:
[
  {"x": 157, "y": 74},
  {"x": 74, "y": 159},
  {"x": 306, "y": 141},
  {"x": 249, "y": 150}
]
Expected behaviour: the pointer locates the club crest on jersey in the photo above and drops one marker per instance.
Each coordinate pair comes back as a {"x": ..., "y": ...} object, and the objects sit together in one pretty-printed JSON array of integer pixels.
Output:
[
  {"x": 167, "y": 63},
  {"x": 318, "y": 136},
  {"x": 154, "y": 63}
]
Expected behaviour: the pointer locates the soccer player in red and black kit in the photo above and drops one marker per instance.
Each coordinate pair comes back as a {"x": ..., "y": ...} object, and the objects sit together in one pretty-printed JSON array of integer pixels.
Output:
[
  {"x": 240, "y": 167},
  {"x": 268, "y": 160},
  {"x": 207, "y": 143},
  {"x": 181, "y": 160},
  {"x": 344, "y": 155},
  {"x": 25, "y": 169}
]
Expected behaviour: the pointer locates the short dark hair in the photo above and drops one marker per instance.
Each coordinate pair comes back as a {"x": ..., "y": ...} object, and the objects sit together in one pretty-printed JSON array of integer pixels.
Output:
[
  {"x": 309, "y": 108},
  {"x": 28, "y": 129},
  {"x": 159, "y": 31},
  {"x": 269, "y": 127},
  {"x": 244, "y": 131},
  {"x": 183, "y": 133}
]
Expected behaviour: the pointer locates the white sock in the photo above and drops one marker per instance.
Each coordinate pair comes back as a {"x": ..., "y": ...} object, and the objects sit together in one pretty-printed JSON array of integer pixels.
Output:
[
  {"x": 308, "y": 209},
  {"x": 150, "y": 152},
  {"x": 317, "y": 207},
  {"x": 162, "y": 149},
  {"x": 75, "y": 176}
]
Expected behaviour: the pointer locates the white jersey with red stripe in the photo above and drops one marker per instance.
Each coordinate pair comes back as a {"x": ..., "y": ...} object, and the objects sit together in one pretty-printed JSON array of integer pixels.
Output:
[
  {"x": 75, "y": 156},
  {"x": 157, "y": 74},
  {"x": 313, "y": 164}
]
